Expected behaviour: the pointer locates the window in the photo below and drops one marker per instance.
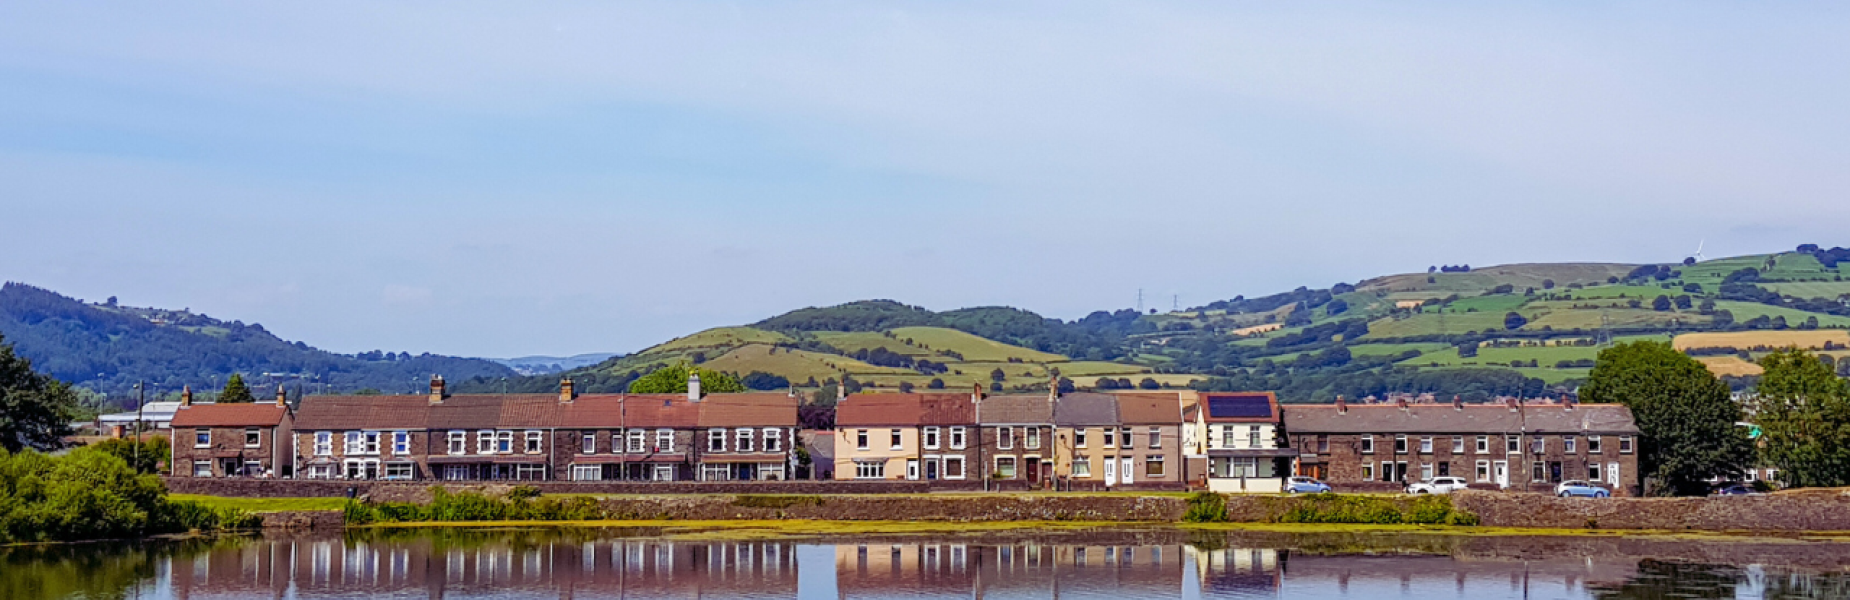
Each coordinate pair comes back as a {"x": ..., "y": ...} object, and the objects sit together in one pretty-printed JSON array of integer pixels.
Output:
[
  {"x": 1483, "y": 444},
  {"x": 716, "y": 472},
  {"x": 1110, "y": 439},
  {"x": 638, "y": 441},
  {"x": 1400, "y": 444},
  {"x": 589, "y": 446},
  {"x": 355, "y": 445},
  {"x": 953, "y": 467},
  {"x": 1031, "y": 436},
  {"x": 1124, "y": 437},
  {"x": 1458, "y": 444},
  {"x": 202, "y": 438},
  {"x": 1079, "y": 437},
  {"x": 1368, "y": 472},
  {"x": 530, "y": 472},
  {"x": 1005, "y": 467},
  {"x": 1593, "y": 472},
  {"x": 1153, "y": 466},
  {"x": 484, "y": 442},
  {"x": 744, "y": 440},
  {"x": 533, "y": 442},
  {"x": 1445, "y": 469},
  {"x": 957, "y": 438},
  {"x": 1512, "y": 444},
  {"x": 458, "y": 442},
  {"x": 616, "y": 441},
  {"x": 1425, "y": 471},
  {"x": 773, "y": 439},
  {"x": 587, "y": 473},
  {"x": 860, "y": 439},
  {"x": 253, "y": 437},
  {"x": 1252, "y": 437},
  {"x": 1082, "y": 467},
  {"x": 1228, "y": 439},
  {"x": 870, "y": 470},
  {"x": 1567, "y": 444},
  {"x": 1625, "y": 444},
  {"x": 897, "y": 444},
  {"x": 931, "y": 438},
  {"x": 324, "y": 443},
  {"x": 398, "y": 470},
  {"x": 1538, "y": 444},
  {"x": 1483, "y": 470},
  {"x": 1368, "y": 444},
  {"x": 1538, "y": 471},
  {"x": 504, "y": 442},
  {"x": 1323, "y": 444},
  {"x": 1425, "y": 445},
  {"x": 202, "y": 468},
  {"x": 372, "y": 441},
  {"x": 664, "y": 440},
  {"x": 1005, "y": 437},
  {"x": 716, "y": 440},
  {"x": 401, "y": 442},
  {"x": 1593, "y": 445}
]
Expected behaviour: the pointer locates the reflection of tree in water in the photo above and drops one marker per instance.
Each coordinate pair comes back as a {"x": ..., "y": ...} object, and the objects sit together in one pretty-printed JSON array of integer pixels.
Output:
[
  {"x": 1662, "y": 580},
  {"x": 90, "y": 571}
]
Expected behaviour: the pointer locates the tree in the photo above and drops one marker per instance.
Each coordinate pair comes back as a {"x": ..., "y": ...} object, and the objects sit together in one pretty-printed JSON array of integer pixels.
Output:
[
  {"x": 1149, "y": 384},
  {"x": 673, "y": 380},
  {"x": 905, "y": 387},
  {"x": 1804, "y": 415},
  {"x": 1683, "y": 302},
  {"x": 1548, "y": 284},
  {"x": 1684, "y": 413},
  {"x": 1514, "y": 320},
  {"x": 1105, "y": 383},
  {"x": 1661, "y": 303},
  {"x": 1723, "y": 319},
  {"x": 1689, "y": 261},
  {"x": 35, "y": 410},
  {"x": 757, "y": 380},
  {"x": 1335, "y": 307},
  {"x": 235, "y": 392},
  {"x": 936, "y": 384},
  {"x": 997, "y": 375}
]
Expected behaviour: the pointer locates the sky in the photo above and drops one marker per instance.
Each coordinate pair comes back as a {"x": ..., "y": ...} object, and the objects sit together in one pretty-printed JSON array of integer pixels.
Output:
[{"x": 503, "y": 179}]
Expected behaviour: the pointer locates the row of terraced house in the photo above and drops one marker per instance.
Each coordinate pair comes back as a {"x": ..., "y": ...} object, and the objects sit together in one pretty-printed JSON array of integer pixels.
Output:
[{"x": 1229, "y": 442}]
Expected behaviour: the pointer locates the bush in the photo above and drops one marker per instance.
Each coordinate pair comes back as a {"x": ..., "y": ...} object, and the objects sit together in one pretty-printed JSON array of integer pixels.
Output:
[
  {"x": 521, "y": 504},
  {"x": 92, "y": 494},
  {"x": 1206, "y": 507},
  {"x": 1377, "y": 510}
]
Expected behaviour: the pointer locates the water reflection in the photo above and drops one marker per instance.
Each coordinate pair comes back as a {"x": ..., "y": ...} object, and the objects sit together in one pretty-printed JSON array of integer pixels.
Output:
[{"x": 1155, "y": 563}]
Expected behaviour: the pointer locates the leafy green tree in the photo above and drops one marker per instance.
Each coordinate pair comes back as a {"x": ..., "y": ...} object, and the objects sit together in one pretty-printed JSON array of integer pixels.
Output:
[
  {"x": 35, "y": 410},
  {"x": 1661, "y": 303},
  {"x": 147, "y": 459},
  {"x": 1804, "y": 415},
  {"x": 1723, "y": 319},
  {"x": 235, "y": 392},
  {"x": 673, "y": 380},
  {"x": 935, "y": 384},
  {"x": 1685, "y": 414},
  {"x": 1149, "y": 384},
  {"x": 1548, "y": 284},
  {"x": 1514, "y": 320},
  {"x": 997, "y": 375},
  {"x": 905, "y": 387}
]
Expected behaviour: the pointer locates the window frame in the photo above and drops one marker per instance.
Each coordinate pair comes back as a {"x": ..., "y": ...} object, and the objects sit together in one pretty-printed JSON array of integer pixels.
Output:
[
  {"x": 930, "y": 437},
  {"x": 664, "y": 441},
  {"x": 960, "y": 438},
  {"x": 1593, "y": 445},
  {"x": 1400, "y": 443},
  {"x": 1367, "y": 442},
  {"x": 1625, "y": 444},
  {"x": 535, "y": 442},
  {"x": 861, "y": 439},
  {"x": 1426, "y": 445},
  {"x": 1483, "y": 444},
  {"x": 1005, "y": 438},
  {"x": 1079, "y": 437},
  {"x": 202, "y": 438},
  {"x": 353, "y": 443},
  {"x": 455, "y": 442},
  {"x": 636, "y": 441},
  {"x": 716, "y": 439},
  {"x": 1512, "y": 444},
  {"x": 253, "y": 437},
  {"x": 1483, "y": 471},
  {"x": 485, "y": 441},
  {"x": 1368, "y": 471},
  {"x": 870, "y": 469},
  {"x": 587, "y": 442},
  {"x": 1154, "y": 466},
  {"x": 1013, "y": 467},
  {"x": 773, "y": 439},
  {"x": 401, "y": 443},
  {"x": 1031, "y": 438},
  {"x": 898, "y": 438},
  {"x": 743, "y": 439},
  {"x": 504, "y": 441},
  {"x": 1081, "y": 466},
  {"x": 1567, "y": 444},
  {"x": 1125, "y": 440},
  {"x": 324, "y": 443},
  {"x": 1458, "y": 444},
  {"x": 963, "y": 469}
]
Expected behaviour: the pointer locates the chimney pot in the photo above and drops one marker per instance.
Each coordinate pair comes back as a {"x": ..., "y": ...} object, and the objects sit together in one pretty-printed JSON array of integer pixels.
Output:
[
  {"x": 438, "y": 389},
  {"x": 1401, "y": 401},
  {"x": 566, "y": 391},
  {"x": 1342, "y": 406},
  {"x": 1458, "y": 402},
  {"x": 693, "y": 386},
  {"x": 282, "y": 397},
  {"x": 186, "y": 396}
]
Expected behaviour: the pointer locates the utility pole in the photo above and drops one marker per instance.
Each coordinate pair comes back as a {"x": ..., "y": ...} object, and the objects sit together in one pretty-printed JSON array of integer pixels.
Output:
[{"x": 1140, "y": 301}]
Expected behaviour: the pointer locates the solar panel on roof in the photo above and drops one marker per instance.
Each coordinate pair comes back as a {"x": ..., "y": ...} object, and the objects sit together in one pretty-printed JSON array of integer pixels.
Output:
[{"x": 1239, "y": 407}]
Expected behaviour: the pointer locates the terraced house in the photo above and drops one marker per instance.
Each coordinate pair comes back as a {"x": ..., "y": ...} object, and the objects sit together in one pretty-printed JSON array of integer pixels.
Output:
[
  {"x": 652, "y": 437},
  {"x": 1018, "y": 437},
  {"x": 928, "y": 437},
  {"x": 1241, "y": 436},
  {"x": 1509, "y": 445},
  {"x": 232, "y": 440}
]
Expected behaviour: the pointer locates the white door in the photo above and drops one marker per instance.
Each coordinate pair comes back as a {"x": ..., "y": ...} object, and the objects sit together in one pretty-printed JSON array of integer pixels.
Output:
[
  {"x": 1502, "y": 470},
  {"x": 912, "y": 469},
  {"x": 1612, "y": 474},
  {"x": 1124, "y": 470},
  {"x": 1111, "y": 471}
]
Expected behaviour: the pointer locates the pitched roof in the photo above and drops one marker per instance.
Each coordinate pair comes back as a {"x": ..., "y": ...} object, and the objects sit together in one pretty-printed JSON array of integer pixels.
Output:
[
  {"x": 878, "y": 409},
  {"x": 1015, "y": 409},
  {"x": 1240, "y": 407},
  {"x": 1472, "y": 418},
  {"x": 751, "y": 409},
  {"x": 1149, "y": 408},
  {"x": 363, "y": 412},
  {"x": 946, "y": 409},
  {"x": 1086, "y": 408},
  {"x": 265, "y": 414}
]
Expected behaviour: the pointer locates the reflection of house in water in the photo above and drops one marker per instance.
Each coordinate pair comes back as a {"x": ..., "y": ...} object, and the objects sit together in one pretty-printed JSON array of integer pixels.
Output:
[
  {"x": 1028, "y": 570},
  {"x": 632, "y": 567},
  {"x": 1238, "y": 572},
  {"x": 1450, "y": 577}
]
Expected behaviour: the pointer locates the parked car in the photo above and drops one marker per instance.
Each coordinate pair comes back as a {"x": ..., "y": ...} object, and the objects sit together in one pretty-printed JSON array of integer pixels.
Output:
[
  {"x": 1439, "y": 485},
  {"x": 1580, "y": 488},
  {"x": 1305, "y": 485},
  {"x": 1734, "y": 489}
]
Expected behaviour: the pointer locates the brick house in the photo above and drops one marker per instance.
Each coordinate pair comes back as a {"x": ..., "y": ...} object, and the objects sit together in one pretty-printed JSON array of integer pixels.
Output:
[
  {"x": 747, "y": 437},
  {"x": 1241, "y": 437},
  {"x": 631, "y": 437},
  {"x": 950, "y": 445},
  {"x": 1017, "y": 434},
  {"x": 877, "y": 436},
  {"x": 1149, "y": 438},
  {"x": 232, "y": 440},
  {"x": 1511, "y": 445}
]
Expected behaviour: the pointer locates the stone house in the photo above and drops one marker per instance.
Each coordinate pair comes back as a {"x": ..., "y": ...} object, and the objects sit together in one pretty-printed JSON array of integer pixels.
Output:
[
  {"x": 877, "y": 437},
  {"x": 1512, "y": 445},
  {"x": 630, "y": 437},
  {"x": 232, "y": 440},
  {"x": 1241, "y": 437},
  {"x": 1017, "y": 434}
]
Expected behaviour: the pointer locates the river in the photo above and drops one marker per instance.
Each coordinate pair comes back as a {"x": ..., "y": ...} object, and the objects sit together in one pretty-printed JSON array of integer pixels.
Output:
[{"x": 1115, "y": 563}]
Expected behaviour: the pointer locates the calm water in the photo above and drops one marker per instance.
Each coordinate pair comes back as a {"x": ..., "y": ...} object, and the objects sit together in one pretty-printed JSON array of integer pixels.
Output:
[{"x": 1114, "y": 563}]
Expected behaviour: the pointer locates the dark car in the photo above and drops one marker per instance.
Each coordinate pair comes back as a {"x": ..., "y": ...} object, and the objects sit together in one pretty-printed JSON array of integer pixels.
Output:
[{"x": 1734, "y": 489}]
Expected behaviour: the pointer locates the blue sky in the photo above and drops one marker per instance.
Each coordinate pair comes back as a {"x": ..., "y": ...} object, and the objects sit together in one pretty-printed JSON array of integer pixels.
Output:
[{"x": 499, "y": 179}]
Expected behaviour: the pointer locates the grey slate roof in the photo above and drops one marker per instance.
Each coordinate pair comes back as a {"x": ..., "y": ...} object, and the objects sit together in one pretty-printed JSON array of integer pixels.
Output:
[
  {"x": 1015, "y": 409},
  {"x": 1086, "y": 409},
  {"x": 1472, "y": 418}
]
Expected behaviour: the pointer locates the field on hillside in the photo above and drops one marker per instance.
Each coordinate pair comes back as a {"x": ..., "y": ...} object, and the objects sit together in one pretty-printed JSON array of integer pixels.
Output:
[
  {"x": 1729, "y": 365},
  {"x": 1810, "y": 289},
  {"x": 1772, "y": 339},
  {"x": 972, "y": 348},
  {"x": 797, "y": 365},
  {"x": 1748, "y": 310},
  {"x": 1544, "y": 356},
  {"x": 1646, "y": 292},
  {"x": 850, "y": 341},
  {"x": 1433, "y": 323},
  {"x": 1519, "y": 275},
  {"x": 720, "y": 337}
]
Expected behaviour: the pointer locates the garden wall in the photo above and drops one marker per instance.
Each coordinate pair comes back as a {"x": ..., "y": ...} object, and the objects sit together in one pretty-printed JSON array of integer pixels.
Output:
[{"x": 1822, "y": 510}]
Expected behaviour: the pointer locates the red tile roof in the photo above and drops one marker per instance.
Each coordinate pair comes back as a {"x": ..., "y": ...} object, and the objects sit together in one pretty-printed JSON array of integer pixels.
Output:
[
  {"x": 266, "y": 414},
  {"x": 946, "y": 409},
  {"x": 759, "y": 409},
  {"x": 363, "y": 412}
]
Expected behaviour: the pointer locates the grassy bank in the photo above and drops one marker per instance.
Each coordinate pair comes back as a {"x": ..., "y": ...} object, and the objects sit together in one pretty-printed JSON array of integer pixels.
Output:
[{"x": 261, "y": 505}]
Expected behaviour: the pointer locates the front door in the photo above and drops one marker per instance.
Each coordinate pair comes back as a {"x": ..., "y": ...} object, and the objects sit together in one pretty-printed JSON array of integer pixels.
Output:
[
  {"x": 931, "y": 469},
  {"x": 1111, "y": 470},
  {"x": 1124, "y": 470},
  {"x": 1501, "y": 469},
  {"x": 1034, "y": 471}
]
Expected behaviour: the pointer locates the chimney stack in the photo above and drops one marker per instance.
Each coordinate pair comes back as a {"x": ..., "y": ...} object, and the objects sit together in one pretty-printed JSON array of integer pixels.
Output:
[
  {"x": 1342, "y": 406},
  {"x": 282, "y": 397},
  {"x": 1458, "y": 402},
  {"x": 1401, "y": 401},
  {"x": 1567, "y": 402},
  {"x": 566, "y": 393},
  {"x": 693, "y": 386},
  {"x": 1512, "y": 402},
  {"x": 186, "y": 396},
  {"x": 841, "y": 388},
  {"x": 437, "y": 391}
]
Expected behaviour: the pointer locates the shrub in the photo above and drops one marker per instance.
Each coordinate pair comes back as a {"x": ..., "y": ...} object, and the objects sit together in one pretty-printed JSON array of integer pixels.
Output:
[
  {"x": 1206, "y": 507},
  {"x": 1379, "y": 510}
]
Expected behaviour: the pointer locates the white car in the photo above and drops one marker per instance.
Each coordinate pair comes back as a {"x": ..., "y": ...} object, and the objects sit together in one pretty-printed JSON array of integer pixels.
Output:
[{"x": 1439, "y": 485}]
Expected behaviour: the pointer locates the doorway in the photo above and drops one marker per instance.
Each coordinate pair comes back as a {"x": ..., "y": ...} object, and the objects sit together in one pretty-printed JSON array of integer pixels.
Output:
[
  {"x": 1111, "y": 470},
  {"x": 1034, "y": 470},
  {"x": 1501, "y": 469}
]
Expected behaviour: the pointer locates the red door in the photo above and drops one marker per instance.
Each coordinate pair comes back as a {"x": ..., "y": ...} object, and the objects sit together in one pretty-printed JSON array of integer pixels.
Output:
[{"x": 1034, "y": 471}]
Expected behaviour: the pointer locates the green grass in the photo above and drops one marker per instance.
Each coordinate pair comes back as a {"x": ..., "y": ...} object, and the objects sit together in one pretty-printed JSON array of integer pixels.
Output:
[
  {"x": 1499, "y": 304},
  {"x": 1429, "y": 324},
  {"x": 797, "y": 365},
  {"x": 1748, "y": 310},
  {"x": 1810, "y": 289},
  {"x": 1545, "y": 356},
  {"x": 1647, "y": 292},
  {"x": 260, "y": 505},
  {"x": 973, "y": 348},
  {"x": 1392, "y": 349},
  {"x": 1094, "y": 368},
  {"x": 720, "y": 337},
  {"x": 849, "y": 341}
]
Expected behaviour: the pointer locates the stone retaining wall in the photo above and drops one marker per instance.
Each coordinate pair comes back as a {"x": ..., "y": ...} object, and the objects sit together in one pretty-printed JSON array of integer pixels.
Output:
[
  {"x": 1805, "y": 511},
  {"x": 314, "y": 488},
  {"x": 1163, "y": 509}
]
